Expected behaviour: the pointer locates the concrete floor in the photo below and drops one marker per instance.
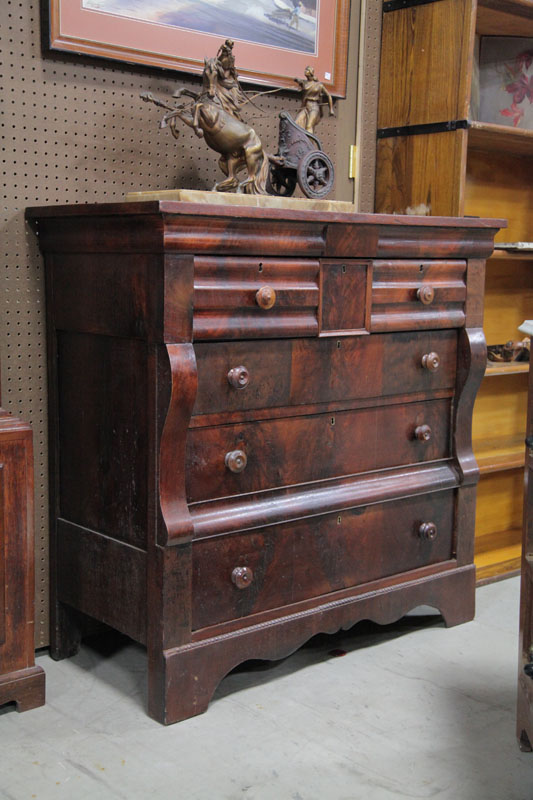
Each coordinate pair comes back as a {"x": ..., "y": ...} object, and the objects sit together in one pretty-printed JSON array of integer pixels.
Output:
[{"x": 412, "y": 710}]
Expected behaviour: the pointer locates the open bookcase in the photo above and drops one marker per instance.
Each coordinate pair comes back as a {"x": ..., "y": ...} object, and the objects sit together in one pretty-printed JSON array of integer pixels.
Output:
[{"x": 433, "y": 158}]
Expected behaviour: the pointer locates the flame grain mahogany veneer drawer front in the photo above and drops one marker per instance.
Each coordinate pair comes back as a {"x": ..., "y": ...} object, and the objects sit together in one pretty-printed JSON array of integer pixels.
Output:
[
  {"x": 418, "y": 294},
  {"x": 241, "y": 298},
  {"x": 249, "y": 457},
  {"x": 235, "y": 576},
  {"x": 238, "y": 376}
]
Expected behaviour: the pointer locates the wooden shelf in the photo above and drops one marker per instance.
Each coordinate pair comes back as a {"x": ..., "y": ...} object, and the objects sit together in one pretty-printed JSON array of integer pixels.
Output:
[
  {"x": 504, "y": 18},
  {"x": 489, "y": 136},
  {"x": 511, "y": 255},
  {"x": 496, "y": 455},
  {"x": 506, "y": 368},
  {"x": 498, "y": 554}
]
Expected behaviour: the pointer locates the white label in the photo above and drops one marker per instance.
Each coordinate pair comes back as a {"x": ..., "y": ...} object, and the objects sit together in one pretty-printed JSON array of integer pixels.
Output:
[{"x": 327, "y": 76}]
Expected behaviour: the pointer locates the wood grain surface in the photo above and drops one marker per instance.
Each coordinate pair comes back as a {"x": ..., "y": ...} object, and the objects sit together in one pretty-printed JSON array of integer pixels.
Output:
[{"x": 275, "y": 479}]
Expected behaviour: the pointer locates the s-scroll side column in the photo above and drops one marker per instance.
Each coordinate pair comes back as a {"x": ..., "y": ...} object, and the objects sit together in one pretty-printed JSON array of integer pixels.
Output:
[
  {"x": 471, "y": 363},
  {"x": 174, "y": 375}
]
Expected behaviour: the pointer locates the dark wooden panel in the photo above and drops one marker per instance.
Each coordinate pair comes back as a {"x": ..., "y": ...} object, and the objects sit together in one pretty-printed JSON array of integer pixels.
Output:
[
  {"x": 119, "y": 295},
  {"x": 296, "y": 450},
  {"x": 2, "y": 560},
  {"x": 103, "y": 434},
  {"x": 295, "y": 561},
  {"x": 309, "y": 371},
  {"x": 20, "y": 680},
  {"x": 103, "y": 578},
  {"x": 344, "y": 296},
  {"x": 240, "y": 234}
]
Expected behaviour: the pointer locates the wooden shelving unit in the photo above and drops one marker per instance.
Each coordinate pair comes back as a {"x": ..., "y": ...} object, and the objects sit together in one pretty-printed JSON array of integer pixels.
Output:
[
  {"x": 496, "y": 455},
  {"x": 432, "y": 158},
  {"x": 490, "y": 137},
  {"x": 512, "y": 368}
]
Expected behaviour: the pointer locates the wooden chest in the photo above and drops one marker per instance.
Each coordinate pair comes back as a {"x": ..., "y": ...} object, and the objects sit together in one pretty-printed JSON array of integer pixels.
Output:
[
  {"x": 260, "y": 427},
  {"x": 21, "y": 681}
]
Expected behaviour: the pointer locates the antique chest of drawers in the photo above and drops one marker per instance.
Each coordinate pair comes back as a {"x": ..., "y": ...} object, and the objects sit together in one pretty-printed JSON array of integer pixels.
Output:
[
  {"x": 259, "y": 427},
  {"x": 21, "y": 681}
]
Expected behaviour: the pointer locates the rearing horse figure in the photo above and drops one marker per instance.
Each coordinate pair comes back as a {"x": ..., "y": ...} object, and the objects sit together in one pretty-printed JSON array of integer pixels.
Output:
[{"x": 238, "y": 144}]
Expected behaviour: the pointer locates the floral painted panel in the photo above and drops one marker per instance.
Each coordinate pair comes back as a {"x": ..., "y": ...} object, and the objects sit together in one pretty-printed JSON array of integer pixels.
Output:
[{"x": 506, "y": 81}]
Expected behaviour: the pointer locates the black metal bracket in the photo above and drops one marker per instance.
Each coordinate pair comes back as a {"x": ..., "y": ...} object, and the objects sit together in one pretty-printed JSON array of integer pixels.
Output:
[
  {"x": 396, "y": 5},
  {"x": 430, "y": 127}
]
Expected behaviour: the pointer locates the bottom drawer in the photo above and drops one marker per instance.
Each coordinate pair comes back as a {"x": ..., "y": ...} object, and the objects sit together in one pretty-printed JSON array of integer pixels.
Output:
[{"x": 234, "y": 576}]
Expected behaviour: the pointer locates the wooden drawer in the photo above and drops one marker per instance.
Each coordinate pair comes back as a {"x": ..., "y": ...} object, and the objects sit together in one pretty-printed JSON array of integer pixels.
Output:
[
  {"x": 289, "y": 563},
  {"x": 418, "y": 294},
  {"x": 308, "y": 371},
  {"x": 241, "y": 298},
  {"x": 288, "y": 451}
]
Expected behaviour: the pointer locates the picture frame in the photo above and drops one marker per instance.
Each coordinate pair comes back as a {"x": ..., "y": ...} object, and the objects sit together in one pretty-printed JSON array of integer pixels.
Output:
[{"x": 275, "y": 40}]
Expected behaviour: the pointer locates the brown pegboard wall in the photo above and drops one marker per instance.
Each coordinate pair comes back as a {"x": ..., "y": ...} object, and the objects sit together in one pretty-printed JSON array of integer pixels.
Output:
[{"x": 73, "y": 130}]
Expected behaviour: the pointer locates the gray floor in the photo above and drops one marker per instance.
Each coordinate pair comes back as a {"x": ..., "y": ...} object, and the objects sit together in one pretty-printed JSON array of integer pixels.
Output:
[{"x": 412, "y": 710}]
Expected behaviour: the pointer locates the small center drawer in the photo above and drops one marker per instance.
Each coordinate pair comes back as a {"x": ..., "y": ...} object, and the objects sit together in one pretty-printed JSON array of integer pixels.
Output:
[
  {"x": 234, "y": 576},
  {"x": 240, "y": 376},
  {"x": 236, "y": 459}
]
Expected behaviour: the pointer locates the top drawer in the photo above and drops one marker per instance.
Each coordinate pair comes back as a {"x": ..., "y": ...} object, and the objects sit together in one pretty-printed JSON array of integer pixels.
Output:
[
  {"x": 243, "y": 298},
  {"x": 415, "y": 295},
  {"x": 250, "y": 298}
]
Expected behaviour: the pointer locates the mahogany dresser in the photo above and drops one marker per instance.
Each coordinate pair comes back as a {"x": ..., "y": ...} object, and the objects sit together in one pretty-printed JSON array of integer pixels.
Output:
[
  {"x": 260, "y": 427},
  {"x": 21, "y": 681}
]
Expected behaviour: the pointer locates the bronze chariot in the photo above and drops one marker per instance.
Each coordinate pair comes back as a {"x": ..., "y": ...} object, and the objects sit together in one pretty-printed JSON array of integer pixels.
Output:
[{"x": 300, "y": 160}]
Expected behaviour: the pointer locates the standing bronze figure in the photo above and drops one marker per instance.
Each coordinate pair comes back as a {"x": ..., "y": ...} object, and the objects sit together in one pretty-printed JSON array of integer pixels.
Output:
[{"x": 312, "y": 93}]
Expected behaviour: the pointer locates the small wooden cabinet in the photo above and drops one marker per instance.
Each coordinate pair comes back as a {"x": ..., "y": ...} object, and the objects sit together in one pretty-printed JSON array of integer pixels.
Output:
[
  {"x": 20, "y": 680},
  {"x": 434, "y": 157},
  {"x": 260, "y": 427}
]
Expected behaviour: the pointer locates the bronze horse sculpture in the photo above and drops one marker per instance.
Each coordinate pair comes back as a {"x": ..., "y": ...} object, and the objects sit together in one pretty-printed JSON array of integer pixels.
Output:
[{"x": 237, "y": 142}]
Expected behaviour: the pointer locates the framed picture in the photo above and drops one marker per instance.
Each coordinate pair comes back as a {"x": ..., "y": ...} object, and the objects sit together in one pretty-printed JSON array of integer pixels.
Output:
[
  {"x": 274, "y": 39},
  {"x": 506, "y": 81}
]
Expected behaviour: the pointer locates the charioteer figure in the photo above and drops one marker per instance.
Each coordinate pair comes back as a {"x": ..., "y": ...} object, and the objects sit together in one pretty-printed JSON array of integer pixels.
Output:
[{"x": 312, "y": 93}]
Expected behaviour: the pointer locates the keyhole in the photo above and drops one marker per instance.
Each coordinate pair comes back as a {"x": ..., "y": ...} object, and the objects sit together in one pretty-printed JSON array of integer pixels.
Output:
[
  {"x": 260, "y": 268},
  {"x": 338, "y": 344},
  {"x": 339, "y": 520},
  {"x": 333, "y": 420},
  {"x": 344, "y": 267},
  {"x": 421, "y": 268}
]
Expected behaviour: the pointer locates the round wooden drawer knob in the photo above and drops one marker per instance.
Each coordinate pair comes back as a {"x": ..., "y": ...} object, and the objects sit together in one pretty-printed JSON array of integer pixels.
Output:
[
  {"x": 423, "y": 433},
  {"x": 428, "y": 530},
  {"x": 265, "y": 297},
  {"x": 426, "y": 294},
  {"x": 242, "y": 577},
  {"x": 239, "y": 377},
  {"x": 236, "y": 460},
  {"x": 431, "y": 361}
]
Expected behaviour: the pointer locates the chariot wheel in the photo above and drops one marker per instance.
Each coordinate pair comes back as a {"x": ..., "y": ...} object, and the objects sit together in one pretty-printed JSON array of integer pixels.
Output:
[
  {"x": 315, "y": 174},
  {"x": 281, "y": 181}
]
